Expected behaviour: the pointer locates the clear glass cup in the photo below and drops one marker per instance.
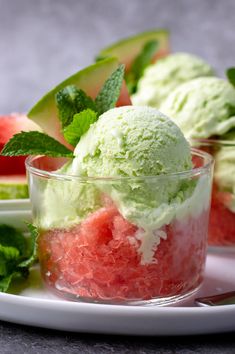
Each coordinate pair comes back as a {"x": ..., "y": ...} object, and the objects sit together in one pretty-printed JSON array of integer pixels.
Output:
[
  {"x": 221, "y": 232},
  {"x": 116, "y": 240}
]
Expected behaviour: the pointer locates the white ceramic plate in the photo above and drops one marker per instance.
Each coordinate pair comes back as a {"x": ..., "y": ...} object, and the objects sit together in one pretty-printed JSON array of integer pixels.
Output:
[
  {"x": 15, "y": 204},
  {"x": 16, "y": 219},
  {"x": 36, "y": 307}
]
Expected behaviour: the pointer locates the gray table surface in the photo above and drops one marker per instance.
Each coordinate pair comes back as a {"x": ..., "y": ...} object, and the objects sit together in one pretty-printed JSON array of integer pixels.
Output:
[{"x": 44, "y": 41}]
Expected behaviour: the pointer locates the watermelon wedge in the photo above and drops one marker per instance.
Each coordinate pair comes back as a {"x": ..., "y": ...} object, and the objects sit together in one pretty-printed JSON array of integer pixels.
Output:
[
  {"x": 127, "y": 49},
  {"x": 9, "y": 125},
  {"x": 90, "y": 79}
]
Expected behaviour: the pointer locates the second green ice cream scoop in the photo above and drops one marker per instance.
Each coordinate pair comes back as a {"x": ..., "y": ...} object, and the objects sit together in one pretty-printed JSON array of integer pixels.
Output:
[
  {"x": 202, "y": 107},
  {"x": 162, "y": 77}
]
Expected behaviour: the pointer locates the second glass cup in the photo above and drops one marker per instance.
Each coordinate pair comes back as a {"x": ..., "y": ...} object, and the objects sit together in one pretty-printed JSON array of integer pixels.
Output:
[
  {"x": 124, "y": 240},
  {"x": 222, "y": 216}
]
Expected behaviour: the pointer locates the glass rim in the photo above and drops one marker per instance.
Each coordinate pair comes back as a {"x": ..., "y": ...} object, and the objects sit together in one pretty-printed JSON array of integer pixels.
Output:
[
  {"x": 213, "y": 141},
  {"x": 209, "y": 160}
]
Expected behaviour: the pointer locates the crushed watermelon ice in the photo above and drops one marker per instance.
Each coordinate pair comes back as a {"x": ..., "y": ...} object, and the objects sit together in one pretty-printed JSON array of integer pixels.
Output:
[
  {"x": 222, "y": 220},
  {"x": 99, "y": 259}
]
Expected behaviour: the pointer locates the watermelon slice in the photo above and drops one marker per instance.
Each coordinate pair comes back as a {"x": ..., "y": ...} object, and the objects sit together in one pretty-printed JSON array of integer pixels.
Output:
[
  {"x": 10, "y": 125},
  {"x": 13, "y": 187},
  {"x": 90, "y": 79},
  {"x": 128, "y": 49}
]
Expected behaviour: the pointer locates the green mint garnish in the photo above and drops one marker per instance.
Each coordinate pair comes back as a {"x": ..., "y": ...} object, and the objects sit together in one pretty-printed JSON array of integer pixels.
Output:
[
  {"x": 5, "y": 281},
  {"x": 8, "y": 257},
  {"x": 32, "y": 246},
  {"x": 16, "y": 254},
  {"x": 71, "y": 100},
  {"x": 139, "y": 64},
  {"x": 110, "y": 92},
  {"x": 35, "y": 143},
  {"x": 231, "y": 75},
  {"x": 14, "y": 238},
  {"x": 71, "y": 103},
  {"x": 79, "y": 126}
]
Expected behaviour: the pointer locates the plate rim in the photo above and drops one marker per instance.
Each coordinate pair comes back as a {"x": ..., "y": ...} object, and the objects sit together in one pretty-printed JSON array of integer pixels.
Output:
[
  {"x": 116, "y": 319},
  {"x": 14, "y": 298}
]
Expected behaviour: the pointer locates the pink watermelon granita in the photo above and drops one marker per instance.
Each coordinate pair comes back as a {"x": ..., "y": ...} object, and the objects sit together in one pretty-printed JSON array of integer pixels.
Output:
[
  {"x": 99, "y": 259},
  {"x": 222, "y": 219}
]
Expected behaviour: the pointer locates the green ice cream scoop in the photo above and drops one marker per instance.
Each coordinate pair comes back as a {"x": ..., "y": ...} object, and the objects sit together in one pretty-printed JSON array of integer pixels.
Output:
[
  {"x": 161, "y": 78},
  {"x": 134, "y": 142},
  {"x": 131, "y": 142},
  {"x": 202, "y": 107}
]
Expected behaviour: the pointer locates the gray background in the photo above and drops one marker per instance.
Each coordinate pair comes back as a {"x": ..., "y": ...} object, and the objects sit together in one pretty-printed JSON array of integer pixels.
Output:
[{"x": 44, "y": 41}]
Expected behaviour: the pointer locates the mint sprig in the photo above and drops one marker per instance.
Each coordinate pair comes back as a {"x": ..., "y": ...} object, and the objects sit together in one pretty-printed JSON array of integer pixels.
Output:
[
  {"x": 79, "y": 126},
  {"x": 139, "y": 64},
  {"x": 32, "y": 247},
  {"x": 35, "y": 143},
  {"x": 110, "y": 92},
  {"x": 14, "y": 238},
  {"x": 77, "y": 111},
  {"x": 231, "y": 75},
  {"x": 16, "y": 254},
  {"x": 71, "y": 100}
]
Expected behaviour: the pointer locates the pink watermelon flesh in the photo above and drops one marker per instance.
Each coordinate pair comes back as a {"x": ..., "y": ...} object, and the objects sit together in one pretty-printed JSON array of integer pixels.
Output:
[
  {"x": 99, "y": 259},
  {"x": 10, "y": 125},
  {"x": 124, "y": 98}
]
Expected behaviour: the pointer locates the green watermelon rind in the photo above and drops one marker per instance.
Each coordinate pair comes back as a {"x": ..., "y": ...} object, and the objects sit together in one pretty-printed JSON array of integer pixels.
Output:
[
  {"x": 127, "y": 49},
  {"x": 12, "y": 188},
  {"x": 90, "y": 79}
]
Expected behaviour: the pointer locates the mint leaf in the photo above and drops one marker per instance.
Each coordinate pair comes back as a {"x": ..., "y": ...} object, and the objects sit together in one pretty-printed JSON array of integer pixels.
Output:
[
  {"x": 6, "y": 281},
  {"x": 8, "y": 259},
  {"x": 12, "y": 247},
  {"x": 32, "y": 257},
  {"x": 71, "y": 100},
  {"x": 11, "y": 237},
  {"x": 35, "y": 143},
  {"x": 110, "y": 91},
  {"x": 9, "y": 253},
  {"x": 79, "y": 126},
  {"x": 139, "y": 64},
  {"x": 15, "y": 256},
  {"x": 231, "y": 76}
]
